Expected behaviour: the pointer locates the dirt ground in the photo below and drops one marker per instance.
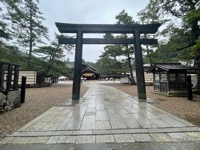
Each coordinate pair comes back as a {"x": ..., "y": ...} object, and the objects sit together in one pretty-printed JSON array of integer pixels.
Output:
[{"x": 179, "y": 106}]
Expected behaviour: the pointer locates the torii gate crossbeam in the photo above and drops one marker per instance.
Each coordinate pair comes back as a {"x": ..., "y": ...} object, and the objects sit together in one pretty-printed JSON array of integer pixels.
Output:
[{"x": 80, "y": 29}]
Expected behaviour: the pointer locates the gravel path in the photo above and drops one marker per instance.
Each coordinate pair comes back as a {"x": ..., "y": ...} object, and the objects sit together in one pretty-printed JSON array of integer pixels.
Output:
[
  {"x": 179, "y": 106},
  {"x": 38, "y": 100}
]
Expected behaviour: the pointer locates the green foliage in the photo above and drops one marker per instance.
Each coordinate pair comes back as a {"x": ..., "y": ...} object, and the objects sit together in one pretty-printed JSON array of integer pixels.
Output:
[
  {"x": 177, "y": 39},
  {"x": 12, "y": 54},
  {"x": 4, "y": 15},
  {"x": 106, "y": 66},
  {"x": 3, "y": 31},
  {"x": 27, "y": 25},
  {"x": 196, "y": 49},
  {"x": 168, "y": 50},
  {"x": 124, "y": 18},
  {"x": 21, "y": 20},
  {"x": 114, "y": 52},
  {"x": 193, "y": 16},
  {"x": 52, "y": 58},
  {"x": 187, "y": 10},
  {"x": 150, "y": 14},
  {"x": 182, "y": 42},
  {"x": 111, "y": 60},
  {"x": 177, "y": 8}
]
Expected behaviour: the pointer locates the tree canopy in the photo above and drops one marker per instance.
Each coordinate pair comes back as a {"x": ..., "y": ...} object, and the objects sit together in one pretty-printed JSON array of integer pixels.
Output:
[
  {"x": 112, "y": 53},
  {"x": 22, "y": 33},
  {"x": 181, "y": 31}
]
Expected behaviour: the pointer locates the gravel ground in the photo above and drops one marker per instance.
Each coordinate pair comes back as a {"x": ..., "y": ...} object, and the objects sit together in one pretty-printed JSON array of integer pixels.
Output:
[
  {"x": 38, "y": 100},
  {"x": 179, "y": 106}
]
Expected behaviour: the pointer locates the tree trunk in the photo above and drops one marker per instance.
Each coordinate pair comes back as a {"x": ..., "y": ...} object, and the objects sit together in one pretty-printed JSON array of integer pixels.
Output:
[
  {"x": 131, "y": 70},
  {"x": 148, "y": 54},
  {"x": 50, "y": 64},
  {"x": 41, "y": 76},
  {"x": 31, "y": 37}
]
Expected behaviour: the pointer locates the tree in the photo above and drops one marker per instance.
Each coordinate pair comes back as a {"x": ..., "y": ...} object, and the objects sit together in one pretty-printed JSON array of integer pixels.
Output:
[
  {"x": 187, "y": 11},
  {"x": 5, "y": 32},
  {"x": 115, "y": 52},
  {"x": 52, "y": 57},
  {"x": 183, "y": 9},
  {"x": 126, "y": 50},
  {"x": 27, "y": 24},
  {"x": 149, "y": 15},
  {"x": 108, "y": 66},
  {"x": 192, "y": 18},
  {"x": 12, "y": 54},
  {"x": 167, "y": 49}
]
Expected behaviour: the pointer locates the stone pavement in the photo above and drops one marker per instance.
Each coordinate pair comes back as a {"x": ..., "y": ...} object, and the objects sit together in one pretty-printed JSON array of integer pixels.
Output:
[{"x": 105, "y": 118}]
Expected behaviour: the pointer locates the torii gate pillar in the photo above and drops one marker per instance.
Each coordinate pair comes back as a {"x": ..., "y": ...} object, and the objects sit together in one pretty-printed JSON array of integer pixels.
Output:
[
  {"x": 77, "y": 67},
  {"x": 139, "y": 67}
]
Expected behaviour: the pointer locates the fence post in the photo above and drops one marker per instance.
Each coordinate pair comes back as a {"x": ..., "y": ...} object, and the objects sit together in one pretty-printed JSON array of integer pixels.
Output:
[
  {"x": 23, "y": 89},
  {"x": 2, "y": 73},
  {"x": 16, "y": 77},
  {"x": 9, "y": 77},
  {"x": 189, "y": 83}
]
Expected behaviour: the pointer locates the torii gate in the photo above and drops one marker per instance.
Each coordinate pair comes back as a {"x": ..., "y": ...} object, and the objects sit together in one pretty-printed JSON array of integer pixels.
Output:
[{"x": 80, "y": 29}]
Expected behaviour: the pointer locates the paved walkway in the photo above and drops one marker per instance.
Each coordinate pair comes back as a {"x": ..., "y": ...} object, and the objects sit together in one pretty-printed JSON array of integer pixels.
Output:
[{"x": 105, "y": 115}]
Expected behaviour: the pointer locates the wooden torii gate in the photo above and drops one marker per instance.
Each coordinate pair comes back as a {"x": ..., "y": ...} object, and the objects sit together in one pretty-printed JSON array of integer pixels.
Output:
[{"x": 80, "y": 29}]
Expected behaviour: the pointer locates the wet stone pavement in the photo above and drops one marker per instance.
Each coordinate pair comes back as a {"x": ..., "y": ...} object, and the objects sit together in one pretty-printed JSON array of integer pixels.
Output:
[{"x": 105, "y": 118}]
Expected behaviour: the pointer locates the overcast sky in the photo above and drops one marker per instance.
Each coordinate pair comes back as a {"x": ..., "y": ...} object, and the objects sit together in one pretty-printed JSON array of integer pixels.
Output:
[{"x": 87, "y": 12}]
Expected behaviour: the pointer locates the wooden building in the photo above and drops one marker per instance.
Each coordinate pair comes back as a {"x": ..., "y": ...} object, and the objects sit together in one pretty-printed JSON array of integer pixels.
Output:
[
  {"x": 88, "y": 72},
  {"x": 170, "y": 78}
]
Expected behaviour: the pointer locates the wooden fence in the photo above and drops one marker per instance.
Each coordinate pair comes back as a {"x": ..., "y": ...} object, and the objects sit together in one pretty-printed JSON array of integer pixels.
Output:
[{"x": 9, "y": 75}]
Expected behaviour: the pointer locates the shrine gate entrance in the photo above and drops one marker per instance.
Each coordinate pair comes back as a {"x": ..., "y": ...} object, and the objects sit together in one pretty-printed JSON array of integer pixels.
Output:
[{"x": 80, "y": 29}]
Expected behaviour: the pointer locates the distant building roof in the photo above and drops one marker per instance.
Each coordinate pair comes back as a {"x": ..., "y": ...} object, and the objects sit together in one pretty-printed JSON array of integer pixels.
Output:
[
  {"x": 88, "y": 65},
  {"x": 88, "y": 68},
  {"x": 170, "y": 66}
]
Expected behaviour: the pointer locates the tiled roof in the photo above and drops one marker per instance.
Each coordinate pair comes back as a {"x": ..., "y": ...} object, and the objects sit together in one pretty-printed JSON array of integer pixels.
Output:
[
  {"x": 89, "y": 69},
  {"x": 170, "y": 66},
  {"x": 89, "y": 66}
]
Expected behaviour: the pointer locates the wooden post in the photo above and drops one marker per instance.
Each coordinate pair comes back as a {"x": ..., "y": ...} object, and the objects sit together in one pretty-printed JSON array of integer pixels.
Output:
[
  {"x": 16, "y": 78},
  {"x": 139, "y": 67},
  {"x": 77, "y": 67},
  {"x": 189, "y": 83},
  {"x": 9, "y": 77},
  {"x": 1, "y": 76},
  {"x": 23, "y": 89}
]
